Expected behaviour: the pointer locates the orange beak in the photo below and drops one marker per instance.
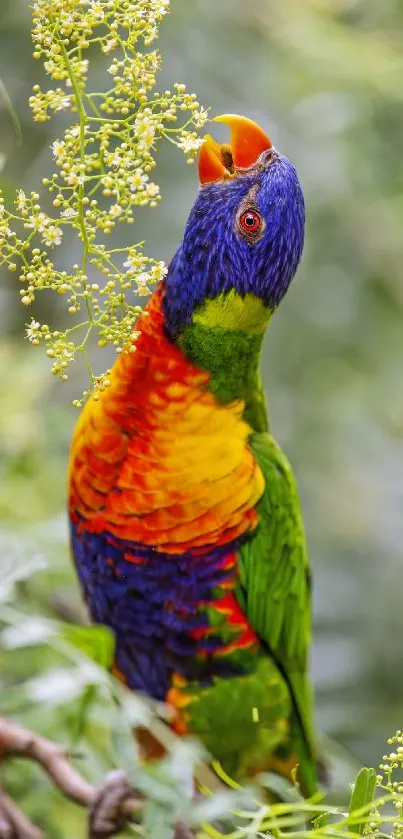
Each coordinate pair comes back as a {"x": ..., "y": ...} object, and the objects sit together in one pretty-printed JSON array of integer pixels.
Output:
[
  {"x": 211, "y": 166},
  {"x": 248, "y": 141}
]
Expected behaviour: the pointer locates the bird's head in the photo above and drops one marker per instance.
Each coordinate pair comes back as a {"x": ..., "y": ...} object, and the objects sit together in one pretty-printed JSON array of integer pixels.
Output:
[{"x": 245, "y": 232}]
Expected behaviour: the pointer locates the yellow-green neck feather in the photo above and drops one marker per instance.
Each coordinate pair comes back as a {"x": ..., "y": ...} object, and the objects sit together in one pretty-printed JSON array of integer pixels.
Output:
[{"x": 225, "y": 337}]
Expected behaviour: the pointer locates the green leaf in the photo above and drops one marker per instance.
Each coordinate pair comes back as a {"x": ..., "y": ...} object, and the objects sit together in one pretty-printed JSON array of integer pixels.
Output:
[
  {"x": 79, "y": 721},
  {"x": 11, "y": 110},
  {"x": 361, "y": 799},
  {"x": 96, "y": 642}
]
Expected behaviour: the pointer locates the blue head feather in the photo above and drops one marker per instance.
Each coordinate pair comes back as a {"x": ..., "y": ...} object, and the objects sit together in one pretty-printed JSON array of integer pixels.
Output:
[{"x": 214, "y": 257}]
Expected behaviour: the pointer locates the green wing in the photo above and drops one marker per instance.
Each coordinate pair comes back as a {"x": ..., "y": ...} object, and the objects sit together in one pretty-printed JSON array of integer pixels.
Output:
[{"x": 274, "y": 581}]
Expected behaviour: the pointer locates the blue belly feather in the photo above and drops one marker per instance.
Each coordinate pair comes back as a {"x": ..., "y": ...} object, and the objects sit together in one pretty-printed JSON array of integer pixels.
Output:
[{"x": 152, "y": 606}]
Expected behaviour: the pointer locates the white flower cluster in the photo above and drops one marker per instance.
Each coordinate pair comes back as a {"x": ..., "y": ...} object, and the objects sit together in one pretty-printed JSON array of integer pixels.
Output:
[{"x": 103, "y": 163}]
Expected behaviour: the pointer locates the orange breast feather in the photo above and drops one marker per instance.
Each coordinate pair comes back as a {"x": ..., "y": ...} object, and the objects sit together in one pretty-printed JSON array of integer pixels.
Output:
[{"x": 156, "y": 460}]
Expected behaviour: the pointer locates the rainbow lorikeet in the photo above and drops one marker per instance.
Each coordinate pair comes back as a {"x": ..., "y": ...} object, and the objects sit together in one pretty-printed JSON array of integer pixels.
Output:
[{"x": 185, "y": 522}]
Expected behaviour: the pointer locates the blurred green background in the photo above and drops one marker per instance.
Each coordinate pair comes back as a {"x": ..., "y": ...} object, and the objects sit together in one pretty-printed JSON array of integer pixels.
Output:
[{"x": 325, "y": 78}]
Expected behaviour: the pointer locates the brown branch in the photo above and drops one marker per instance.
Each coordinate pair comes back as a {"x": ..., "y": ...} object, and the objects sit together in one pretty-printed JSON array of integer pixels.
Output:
[
  {"x": 109, "y": 806},
  {"x": 13, "y": 823},
  {"x": 17, "y": 742}
]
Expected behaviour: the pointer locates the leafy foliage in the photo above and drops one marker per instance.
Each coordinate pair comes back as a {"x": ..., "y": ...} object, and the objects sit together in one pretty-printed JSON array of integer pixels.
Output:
[{"x": 65, "y": 693}]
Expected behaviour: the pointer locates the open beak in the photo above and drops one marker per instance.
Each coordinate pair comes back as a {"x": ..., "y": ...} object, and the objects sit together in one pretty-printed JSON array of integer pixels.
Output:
[{"x": 247, "y": 142}]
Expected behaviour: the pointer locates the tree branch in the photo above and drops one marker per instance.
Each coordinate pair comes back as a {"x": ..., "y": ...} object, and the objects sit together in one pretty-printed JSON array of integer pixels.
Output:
[
  {"x": 17, "y": 742},
  {"x": 109, "y": 806},
  {"x": 13, "y": 823}
]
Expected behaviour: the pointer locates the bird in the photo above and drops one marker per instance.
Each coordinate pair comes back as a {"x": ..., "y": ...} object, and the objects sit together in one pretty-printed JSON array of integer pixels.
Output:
[{"x": 186, "y": 527}]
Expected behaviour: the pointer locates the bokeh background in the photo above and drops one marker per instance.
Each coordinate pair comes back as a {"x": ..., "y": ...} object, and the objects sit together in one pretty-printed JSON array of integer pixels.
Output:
[{"x": 325, "y": 77}]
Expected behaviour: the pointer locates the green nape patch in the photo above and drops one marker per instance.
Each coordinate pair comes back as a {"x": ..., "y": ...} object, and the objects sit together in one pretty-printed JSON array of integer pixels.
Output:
[
  {"x": 225, "y": 338},
  {"x": 231, "y": 311}
]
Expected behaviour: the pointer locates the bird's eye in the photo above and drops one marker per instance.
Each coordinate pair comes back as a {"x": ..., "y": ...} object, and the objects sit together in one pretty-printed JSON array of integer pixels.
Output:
[{"x": 250, "y": 221}]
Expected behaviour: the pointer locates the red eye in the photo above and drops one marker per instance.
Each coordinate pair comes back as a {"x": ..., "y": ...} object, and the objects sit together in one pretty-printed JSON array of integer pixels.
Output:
[{"x": 250, "y": 221}]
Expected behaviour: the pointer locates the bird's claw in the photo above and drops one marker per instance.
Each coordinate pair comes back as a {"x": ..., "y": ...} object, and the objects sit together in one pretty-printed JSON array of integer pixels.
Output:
[
  {"x": 182, "y": 831},
  {"x": 107, "y": 816}
]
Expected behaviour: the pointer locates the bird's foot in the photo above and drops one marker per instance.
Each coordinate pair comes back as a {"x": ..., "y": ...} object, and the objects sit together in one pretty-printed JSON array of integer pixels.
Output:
[
  {"x": 108, "y": 815},
  {"x": 114, "y": 806},
  {"x": 182, "y": 831}
]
